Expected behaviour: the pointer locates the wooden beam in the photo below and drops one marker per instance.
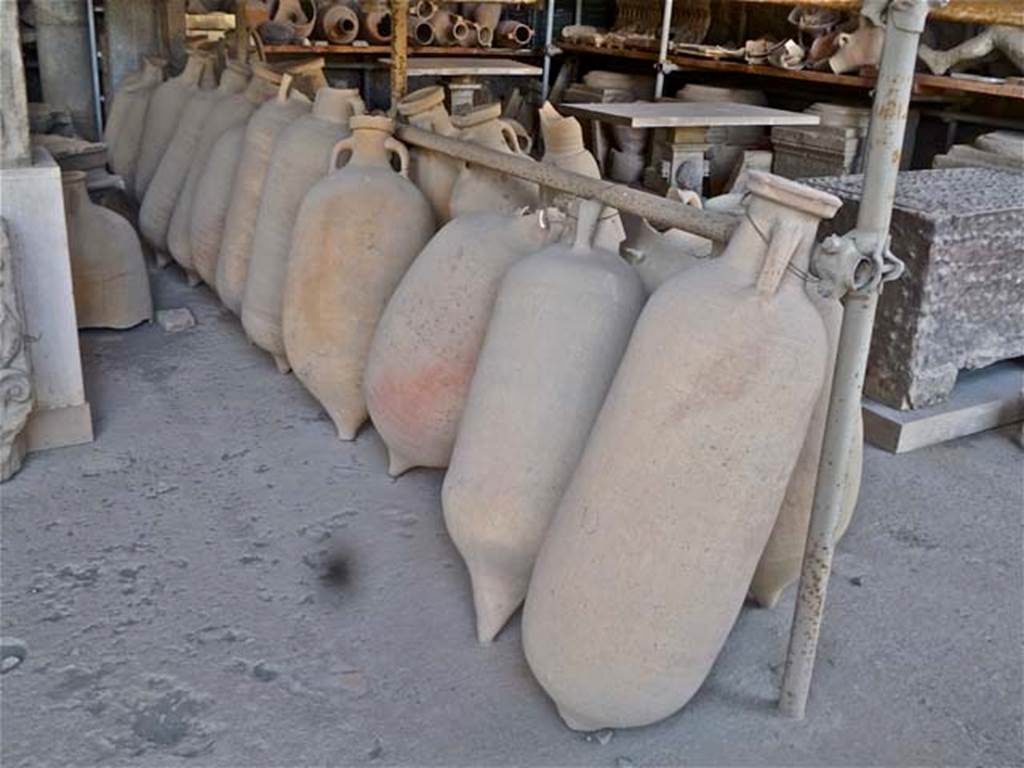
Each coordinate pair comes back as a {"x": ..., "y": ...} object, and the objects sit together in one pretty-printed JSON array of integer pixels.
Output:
[{"x": 399, "y": 51}]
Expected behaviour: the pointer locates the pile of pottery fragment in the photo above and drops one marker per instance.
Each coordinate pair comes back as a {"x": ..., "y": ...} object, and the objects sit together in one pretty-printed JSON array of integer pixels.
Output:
[{"x": 630, "y": 445}]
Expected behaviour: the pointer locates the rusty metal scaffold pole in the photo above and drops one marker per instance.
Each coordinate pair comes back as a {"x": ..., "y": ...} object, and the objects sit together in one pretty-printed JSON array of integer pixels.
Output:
[{"x": 865, "y": 265}]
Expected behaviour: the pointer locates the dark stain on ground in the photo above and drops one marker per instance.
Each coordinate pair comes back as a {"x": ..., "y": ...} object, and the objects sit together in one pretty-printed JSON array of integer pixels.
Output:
[{"x": 337, "y": 568}]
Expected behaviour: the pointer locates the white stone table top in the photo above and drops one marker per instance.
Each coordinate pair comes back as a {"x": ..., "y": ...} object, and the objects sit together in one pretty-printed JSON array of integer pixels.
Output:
[
  {"x": 454, "y": 66},
  {"x": 687, "y": 114}
]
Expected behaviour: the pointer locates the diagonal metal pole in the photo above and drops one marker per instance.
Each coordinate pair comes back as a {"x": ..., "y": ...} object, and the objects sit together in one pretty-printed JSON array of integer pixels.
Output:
[{"x": 867, "y": 250}]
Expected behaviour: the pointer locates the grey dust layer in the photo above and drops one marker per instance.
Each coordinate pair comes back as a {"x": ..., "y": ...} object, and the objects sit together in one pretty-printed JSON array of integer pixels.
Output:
[{"x": 175, "y": 587}]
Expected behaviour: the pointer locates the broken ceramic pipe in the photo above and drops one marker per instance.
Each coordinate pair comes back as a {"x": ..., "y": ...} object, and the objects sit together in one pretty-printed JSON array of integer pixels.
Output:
[{"x": 512, "y": 34}]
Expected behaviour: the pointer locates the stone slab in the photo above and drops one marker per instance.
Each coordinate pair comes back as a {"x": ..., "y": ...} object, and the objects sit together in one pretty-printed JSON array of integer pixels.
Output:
[
  {"x": 960, "y": 232},
  {"x": 454, "y": 66},
  {"x": 982, "y": 400},
  {"x": 32, "y": 204},
  {"x": 687, "y": 114}
]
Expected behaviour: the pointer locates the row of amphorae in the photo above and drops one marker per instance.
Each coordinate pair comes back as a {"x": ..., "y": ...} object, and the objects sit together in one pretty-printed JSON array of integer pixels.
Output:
[{"x": 631, "y": 449}]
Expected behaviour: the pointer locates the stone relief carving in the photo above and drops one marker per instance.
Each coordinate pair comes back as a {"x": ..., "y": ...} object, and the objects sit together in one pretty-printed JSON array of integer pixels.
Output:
[{"x": 15, "y": 385}]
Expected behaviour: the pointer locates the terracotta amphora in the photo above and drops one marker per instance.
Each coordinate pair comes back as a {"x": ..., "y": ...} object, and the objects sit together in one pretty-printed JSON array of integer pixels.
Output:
[
  {"x": 560, "y": 324},
  {"x": 210, "y": 204},
  {"x": 427, "y": 342},
  {"x": 162, "y": 195},
  {"x": 432, "y": 172},
  {"x": 300, "y": 159},
  {"x": 163, "y": 113},
  {"x": 482, "y": 189},
  {"x": 780, "y": 561},
  {"x": 338, "y": 23},
  {"x": 659, "y": 256},
  {"x": 358, "y": 231},
  {"x": 649, "y": 556},
  {"x": 563, "y": 148},
  {"x": 229, "y": 112},
  {"x": 261, "y": 135},
  {"x": 108, "y": 272},
  {"x": 127, "y": 118}
]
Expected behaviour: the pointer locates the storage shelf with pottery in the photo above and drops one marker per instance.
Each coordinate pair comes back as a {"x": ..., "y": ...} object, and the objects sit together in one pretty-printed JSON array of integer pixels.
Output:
[
  {"x": 924, "y": 84},
  {"x": 377, "y": 50}
]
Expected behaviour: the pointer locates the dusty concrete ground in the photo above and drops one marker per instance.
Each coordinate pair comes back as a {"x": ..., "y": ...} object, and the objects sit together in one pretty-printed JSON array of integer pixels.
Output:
[{"x": 167, "y": 582}]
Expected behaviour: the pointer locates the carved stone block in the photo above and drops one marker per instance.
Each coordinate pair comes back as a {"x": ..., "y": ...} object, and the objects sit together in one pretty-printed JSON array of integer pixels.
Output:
[
  {"x": 960, "y": 232},
  {"x": 15, "y": 382}
]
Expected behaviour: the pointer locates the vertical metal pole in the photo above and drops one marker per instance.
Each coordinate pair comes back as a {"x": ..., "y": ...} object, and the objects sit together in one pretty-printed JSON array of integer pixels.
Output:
[
  {"x": 666, "y": 26},
  {"x": 906, "y": 19},
  {"x": 90, "y": 13},
  {"x": 577, "y": 17},
  {"x": 549, "y": 30},
  {"x": 399, "y": 51}
]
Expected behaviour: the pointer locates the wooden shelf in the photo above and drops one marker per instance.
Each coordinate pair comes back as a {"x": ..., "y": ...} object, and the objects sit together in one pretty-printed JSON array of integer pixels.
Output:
[
  {"x": 1009, "y": 12},
  {"x": 378, "y": 50},
  {"x": 924, "y": 84}
]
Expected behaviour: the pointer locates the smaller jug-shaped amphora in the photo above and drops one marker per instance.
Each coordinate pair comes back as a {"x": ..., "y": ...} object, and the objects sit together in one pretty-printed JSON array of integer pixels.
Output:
[
  {"x": 108, "y": 273},
  {"x": 482, "y": 189},
  {"x": 163, "y": 113},
  {"x": 560, "y": 324},
  {"x": 162, "y": 194},
  {"x": 658, "y": 256},
  {"x": 782, "y": 557},
  {"x": 127, "y": 119},
  {"x": 301, "y": 158},
  {"x": 358, "y": 231},
  {"x": 563, "y": 148},
  {"x": 427, "y": 342},
  {"x": 432, "y": 172},
  {"x": 648, "y": 559},
  {"x": 232, "y": 111},
  {"x": 261, "y": 135}
]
